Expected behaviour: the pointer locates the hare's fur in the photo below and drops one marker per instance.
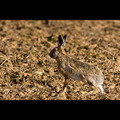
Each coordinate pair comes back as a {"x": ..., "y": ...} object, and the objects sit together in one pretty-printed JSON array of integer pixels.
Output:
[{"x": 74, "y": 69}]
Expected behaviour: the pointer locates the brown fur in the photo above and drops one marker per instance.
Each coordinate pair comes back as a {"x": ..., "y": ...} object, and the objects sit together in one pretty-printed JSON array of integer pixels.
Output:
[{"x": 71, "y": 68}]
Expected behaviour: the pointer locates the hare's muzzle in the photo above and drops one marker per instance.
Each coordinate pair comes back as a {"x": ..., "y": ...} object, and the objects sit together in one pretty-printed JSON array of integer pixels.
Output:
[{"x": 51, "y": 54}]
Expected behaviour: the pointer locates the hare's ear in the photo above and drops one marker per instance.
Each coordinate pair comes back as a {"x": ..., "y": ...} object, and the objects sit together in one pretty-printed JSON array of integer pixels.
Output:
[
  {"x": 64, "y": 37},
  {"x": 61, "y": 41}
]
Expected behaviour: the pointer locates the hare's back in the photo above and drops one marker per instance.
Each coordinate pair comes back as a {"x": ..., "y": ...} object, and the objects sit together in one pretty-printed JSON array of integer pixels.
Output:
[{"x": 83, "y": 68}]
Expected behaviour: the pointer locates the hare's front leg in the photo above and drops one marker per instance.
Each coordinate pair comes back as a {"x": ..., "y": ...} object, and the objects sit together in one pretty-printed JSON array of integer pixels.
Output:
[
  {"x": 66, "y": 79},
  {"x": 65, "y": 83}
]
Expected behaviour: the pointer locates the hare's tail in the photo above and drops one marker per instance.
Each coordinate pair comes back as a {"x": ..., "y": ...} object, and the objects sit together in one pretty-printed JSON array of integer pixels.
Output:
[{"x": 101, "y": 89}]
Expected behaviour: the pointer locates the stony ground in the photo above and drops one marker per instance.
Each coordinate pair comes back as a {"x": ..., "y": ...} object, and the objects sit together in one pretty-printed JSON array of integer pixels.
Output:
[{"x": 28, "y": 73}]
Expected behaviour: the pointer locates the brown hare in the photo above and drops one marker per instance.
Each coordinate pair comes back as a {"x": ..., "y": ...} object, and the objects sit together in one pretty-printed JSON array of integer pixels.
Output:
[{"x": 74, "y": 69}]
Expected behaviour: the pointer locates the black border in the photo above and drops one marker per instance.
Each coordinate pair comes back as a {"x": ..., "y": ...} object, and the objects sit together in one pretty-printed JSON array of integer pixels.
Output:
[
  {"x": 60, "y": 109},
  {"x": 60, "y": 10},
  {"x": 66, "y": 104}
]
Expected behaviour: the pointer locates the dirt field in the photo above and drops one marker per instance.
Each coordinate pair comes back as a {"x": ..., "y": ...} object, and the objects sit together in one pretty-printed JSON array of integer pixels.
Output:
[{"x": 28, "y": 73}]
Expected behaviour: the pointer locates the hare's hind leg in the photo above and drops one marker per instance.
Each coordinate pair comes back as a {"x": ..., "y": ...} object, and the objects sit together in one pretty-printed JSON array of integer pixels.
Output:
[
  {"x": 98, "y": 88},
  {"x": 87, "y": 82},
  {"x": 91, "y": 85}
]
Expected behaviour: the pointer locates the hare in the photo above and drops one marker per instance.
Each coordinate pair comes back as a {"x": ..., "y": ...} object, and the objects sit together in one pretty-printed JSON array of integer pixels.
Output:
[{"x": 74, "y": 69}]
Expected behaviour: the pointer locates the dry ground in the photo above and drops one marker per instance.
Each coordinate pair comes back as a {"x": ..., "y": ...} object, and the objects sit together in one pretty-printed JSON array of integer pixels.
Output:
[{"x": 28, "y": 73}]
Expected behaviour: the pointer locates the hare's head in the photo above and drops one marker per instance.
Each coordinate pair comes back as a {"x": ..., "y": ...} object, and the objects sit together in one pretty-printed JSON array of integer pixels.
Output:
[{"x": 57, "y": 50}]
